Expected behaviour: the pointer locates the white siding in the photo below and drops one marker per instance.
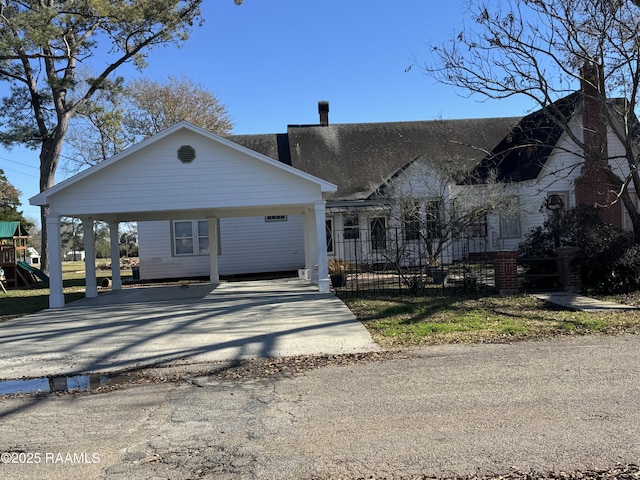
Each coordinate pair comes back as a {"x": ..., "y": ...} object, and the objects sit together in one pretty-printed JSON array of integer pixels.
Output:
[
  {"x": 558, "y": 175},
  {"x": 219, "y": 177},
  {"x": 251, "y": 245},
  {"x": 248, "y": 245}
]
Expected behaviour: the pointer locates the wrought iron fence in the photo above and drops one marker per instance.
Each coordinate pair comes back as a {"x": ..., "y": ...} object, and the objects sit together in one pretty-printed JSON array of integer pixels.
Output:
[
  {"x": 540, "y": 274},
  {"x": 383, "y": 261}
]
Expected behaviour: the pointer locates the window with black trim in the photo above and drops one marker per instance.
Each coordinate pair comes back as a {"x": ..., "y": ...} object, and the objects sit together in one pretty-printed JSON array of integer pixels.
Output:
[
  {"x": 378, "y": 226},
  {"x": 433, "y": 218},
  {"x": 329, "y": 232},
  {"x": 351, "y": 227},
  {"x": 411, "y": 220},
  {"x": 479, "y": 227}
]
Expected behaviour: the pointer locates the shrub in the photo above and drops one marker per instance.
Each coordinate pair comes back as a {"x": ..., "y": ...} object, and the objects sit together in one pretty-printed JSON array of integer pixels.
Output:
[
  {"x": 626, "y": 270},
  {"x": 606, "y": 255}
]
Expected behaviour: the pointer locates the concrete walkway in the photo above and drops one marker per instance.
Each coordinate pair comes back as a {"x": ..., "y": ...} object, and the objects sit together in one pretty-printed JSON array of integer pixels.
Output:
[
  {"x": 574, "y": 301},
  {"x": 159, "y": 325}
]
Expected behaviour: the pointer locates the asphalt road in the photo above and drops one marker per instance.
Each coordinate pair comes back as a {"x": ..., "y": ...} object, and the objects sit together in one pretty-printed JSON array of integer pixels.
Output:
[{"x": 563, "y": 404}]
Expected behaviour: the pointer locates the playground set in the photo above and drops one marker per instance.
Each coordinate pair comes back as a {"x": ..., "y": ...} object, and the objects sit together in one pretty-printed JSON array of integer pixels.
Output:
[{"x": 15, "y": 271}]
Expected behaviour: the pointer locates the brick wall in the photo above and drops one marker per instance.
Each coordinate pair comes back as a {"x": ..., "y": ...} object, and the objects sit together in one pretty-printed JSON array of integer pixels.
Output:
[
  {"x": 594, "y": 118},
  {"x": 597, "y": 188}
]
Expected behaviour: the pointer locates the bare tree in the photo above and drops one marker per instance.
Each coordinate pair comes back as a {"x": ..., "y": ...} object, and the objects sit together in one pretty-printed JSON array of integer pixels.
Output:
[
  {"x": 123, "y": 116},
  {"x": 97, "y": 131},
  {"x": 437, "y": 202},
  {"x": 156, "y": 106},
  {"x": 544, "y": 50}
]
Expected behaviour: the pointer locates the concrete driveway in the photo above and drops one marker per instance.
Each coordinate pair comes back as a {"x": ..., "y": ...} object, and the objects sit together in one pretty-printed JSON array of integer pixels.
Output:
[{"x": 159, "y": 325}]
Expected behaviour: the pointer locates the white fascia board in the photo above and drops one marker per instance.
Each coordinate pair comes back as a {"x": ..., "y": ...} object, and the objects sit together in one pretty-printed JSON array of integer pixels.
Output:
[{"x": 42, "y": 198}]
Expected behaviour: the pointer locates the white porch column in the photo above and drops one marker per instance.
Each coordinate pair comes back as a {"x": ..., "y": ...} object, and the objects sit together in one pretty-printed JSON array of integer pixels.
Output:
[
  {"x": 310, "y": 244},
  {"x": 321, "y": 247},
  {"x": 308, "y": 222},
  {"x": 214, "y": 274},
  {"x": 56, "y": 288},
  {"x": 114, "y": 238},
  {"x": 89, "y": 258}
]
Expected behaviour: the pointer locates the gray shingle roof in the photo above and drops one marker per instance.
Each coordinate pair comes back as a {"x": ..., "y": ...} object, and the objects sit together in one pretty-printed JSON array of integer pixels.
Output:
[
  {"x": 524, "y": 151},
  {"x": 275, "y": 145},
  {"x": 360, "y": 157}
]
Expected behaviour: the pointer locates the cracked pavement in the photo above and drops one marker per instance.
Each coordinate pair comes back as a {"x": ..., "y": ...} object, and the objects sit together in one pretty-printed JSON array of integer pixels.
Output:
[{"x": 569, "y": 404}]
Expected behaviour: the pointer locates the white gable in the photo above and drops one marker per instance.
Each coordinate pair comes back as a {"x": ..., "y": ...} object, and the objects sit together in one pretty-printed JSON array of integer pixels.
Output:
[{"x": 149, "y": 178}]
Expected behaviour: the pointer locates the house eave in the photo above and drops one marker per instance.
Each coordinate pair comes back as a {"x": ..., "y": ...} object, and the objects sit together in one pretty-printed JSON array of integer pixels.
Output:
[{"x": 42, "y": 198}]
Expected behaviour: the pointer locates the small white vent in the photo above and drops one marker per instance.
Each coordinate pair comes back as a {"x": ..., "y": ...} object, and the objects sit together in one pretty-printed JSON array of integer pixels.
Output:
[{"x": 186, "y": 154}]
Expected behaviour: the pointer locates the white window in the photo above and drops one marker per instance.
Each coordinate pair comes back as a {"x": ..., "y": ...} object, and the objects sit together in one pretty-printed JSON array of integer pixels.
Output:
[
  {"x": 411, "y": 220},
  {"x": 433, "y": 218},
  {"x": 190, "y": 237},
  {"x": 378, "y": 227},
  {"x": 351, "y": 225},
  {"x": 510, "y": 222}
]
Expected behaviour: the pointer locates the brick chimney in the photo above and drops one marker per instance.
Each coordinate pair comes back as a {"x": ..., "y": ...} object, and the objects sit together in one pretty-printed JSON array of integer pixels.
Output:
[
  {"x": 323, "y": 111},
  {"x": 594, "y": 119},
  {"x": 597, "y": 186}
]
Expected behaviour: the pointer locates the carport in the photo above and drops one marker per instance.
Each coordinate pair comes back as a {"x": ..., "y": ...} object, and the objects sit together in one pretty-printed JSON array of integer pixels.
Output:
[{"x": 185, "y": 173}]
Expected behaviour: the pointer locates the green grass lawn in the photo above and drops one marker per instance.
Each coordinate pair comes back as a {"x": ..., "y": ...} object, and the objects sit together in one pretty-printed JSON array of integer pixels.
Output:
[
  {"x": 408, "y": 320},
  {"x": 22, "y": 301}
]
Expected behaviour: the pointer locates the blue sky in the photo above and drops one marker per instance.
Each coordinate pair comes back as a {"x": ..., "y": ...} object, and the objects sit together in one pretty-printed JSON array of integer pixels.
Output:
[{"x": 271, "y": 61}]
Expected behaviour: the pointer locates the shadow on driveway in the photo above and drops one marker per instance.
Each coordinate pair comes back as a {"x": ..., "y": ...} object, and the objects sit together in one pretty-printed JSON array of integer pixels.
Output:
[{"x": 160, "y": 325}]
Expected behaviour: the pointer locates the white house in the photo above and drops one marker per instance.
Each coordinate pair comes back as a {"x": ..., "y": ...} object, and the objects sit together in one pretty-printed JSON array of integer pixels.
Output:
[
  {"x": 358, "y": 159},
  {"x": 539, "y": 159},
  {"x": 272, "y": 203},
  {"x": 192, "y": 179},
  {"x": 75, "y": 255},
  {"x": 530, "y": 157},
  {"x": 33, "y": 257}
]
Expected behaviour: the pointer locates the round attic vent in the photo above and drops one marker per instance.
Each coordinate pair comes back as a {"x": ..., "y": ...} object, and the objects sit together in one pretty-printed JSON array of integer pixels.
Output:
[{"x": 186, "y": 154}]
